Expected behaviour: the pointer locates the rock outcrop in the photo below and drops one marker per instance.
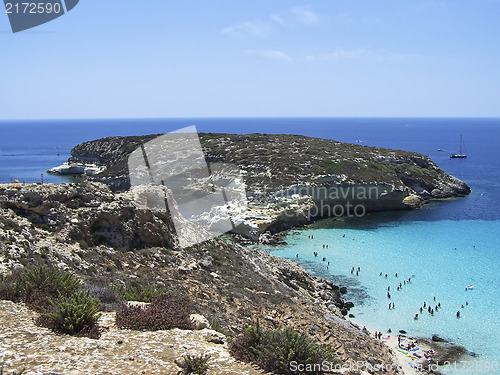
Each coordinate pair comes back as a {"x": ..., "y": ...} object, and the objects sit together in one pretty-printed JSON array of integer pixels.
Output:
[
  {"x": 292, "y": 180},
  {"x": 106, "y": 239}
]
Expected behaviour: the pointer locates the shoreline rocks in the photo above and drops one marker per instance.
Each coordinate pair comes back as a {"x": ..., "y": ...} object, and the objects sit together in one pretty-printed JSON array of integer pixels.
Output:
[
  {"x": 73, "y": 227},
  {"x": 293, "y": 180}
]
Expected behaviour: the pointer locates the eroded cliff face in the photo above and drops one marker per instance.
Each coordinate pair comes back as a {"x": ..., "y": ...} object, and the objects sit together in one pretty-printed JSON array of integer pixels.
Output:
[
  {"x": 106, "y": 239},
  {"x": 291, "y": 180}
]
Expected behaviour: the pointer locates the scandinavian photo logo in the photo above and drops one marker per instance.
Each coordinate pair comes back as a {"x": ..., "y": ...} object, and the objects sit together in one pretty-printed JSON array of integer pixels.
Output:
[
  {"x": 26, "y": 14},
  {"x": 171, "y": 173}
]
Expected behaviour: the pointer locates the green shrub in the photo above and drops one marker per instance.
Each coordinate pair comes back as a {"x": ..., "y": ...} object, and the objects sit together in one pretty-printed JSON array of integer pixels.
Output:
[
  {"x": 164, "y": 312},
  {"x": 7, "y": 289},
  {"x": 274, "y": 350},
  {"x": 37, "y": 285},
  {"x": 72, "y": 314},
  {"x": 329, "y": 164},
  {"x": 138, "y": 293},
  {"x": 196, "y": 364}
]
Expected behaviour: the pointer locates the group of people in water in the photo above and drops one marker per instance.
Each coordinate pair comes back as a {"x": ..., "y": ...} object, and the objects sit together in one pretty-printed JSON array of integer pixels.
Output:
[
  {"x": 425, "y": 307},
  {"x": 356, "y": 270}
]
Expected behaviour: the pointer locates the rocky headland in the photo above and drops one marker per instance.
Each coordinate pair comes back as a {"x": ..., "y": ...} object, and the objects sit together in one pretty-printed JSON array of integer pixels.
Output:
[
  {"x": 105, "y": 239},
  {"x": 292, "y": 180}
]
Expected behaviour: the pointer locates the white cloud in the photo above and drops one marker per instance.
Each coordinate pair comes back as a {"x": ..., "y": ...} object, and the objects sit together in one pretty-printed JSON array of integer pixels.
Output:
[
  {"x": 278, "y": 19},
  {"x": 270, "y": 54},
  {"x": 252, "y": 28},
  {"x": 261, "y": 28},
  {"x": 337, "y": 55},
  {"x": 340, "y": 54},
  {"x": 305, "y": 14}
]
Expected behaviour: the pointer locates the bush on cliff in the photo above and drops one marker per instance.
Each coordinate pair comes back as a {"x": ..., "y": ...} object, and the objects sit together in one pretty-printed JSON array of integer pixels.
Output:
[
  {"x": 193, "y": 364},
  {"x": 77, "y": 314},
  {"x": 37, "y": 285},
  {"x": 57, "y": 295},
  {"x": 138, "y": 293},
  {"x": 164, "y": 312},
  {"x": 275, "y": 350}
]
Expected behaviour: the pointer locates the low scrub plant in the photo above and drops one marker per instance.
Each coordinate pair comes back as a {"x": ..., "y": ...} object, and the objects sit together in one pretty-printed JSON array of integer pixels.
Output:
[
  {"x": 73, "y": 314},
  {"x": 275, "y": 350},
  {"x": 164, "y": 312},
  {"x": 195, "y": 364},
  {"x": 37, "y": 285},
  {"x": 138, "y": 292}
]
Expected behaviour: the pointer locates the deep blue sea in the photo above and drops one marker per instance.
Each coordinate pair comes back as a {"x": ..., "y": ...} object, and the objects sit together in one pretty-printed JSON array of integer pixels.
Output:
[{"x": 443, "y": 247}]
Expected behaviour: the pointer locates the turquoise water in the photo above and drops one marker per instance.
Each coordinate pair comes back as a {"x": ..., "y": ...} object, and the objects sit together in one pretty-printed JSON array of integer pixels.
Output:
[{"x": 441, "y": 257}]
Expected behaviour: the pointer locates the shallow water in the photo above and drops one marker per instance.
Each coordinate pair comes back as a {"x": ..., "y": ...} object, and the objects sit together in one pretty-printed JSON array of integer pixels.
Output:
[{"x": 441, "y": 260}]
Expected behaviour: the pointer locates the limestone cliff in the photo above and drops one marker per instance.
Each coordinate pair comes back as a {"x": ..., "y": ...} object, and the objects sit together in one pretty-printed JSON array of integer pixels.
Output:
[
  {"x": 292, "y": 180},
  {"x": 106, "y": 239}
]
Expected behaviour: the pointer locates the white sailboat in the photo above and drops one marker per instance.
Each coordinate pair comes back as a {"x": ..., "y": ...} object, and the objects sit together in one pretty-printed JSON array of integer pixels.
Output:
[{"x": 461, "y": 154}]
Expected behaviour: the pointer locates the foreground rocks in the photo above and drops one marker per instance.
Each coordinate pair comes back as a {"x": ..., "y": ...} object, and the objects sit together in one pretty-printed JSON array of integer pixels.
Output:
[
  {"x": 106, "y": 239},
  {"x": 23, "y": 345}
]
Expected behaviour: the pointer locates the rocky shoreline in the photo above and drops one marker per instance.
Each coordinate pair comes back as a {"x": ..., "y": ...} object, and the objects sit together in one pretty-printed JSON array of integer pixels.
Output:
[
  {"x": 294, "y": 180},
  {"x": 104, "y": 238}
]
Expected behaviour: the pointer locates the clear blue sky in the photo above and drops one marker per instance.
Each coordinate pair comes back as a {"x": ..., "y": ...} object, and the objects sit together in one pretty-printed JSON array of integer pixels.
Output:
[{"x": 218, "y": 58}]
